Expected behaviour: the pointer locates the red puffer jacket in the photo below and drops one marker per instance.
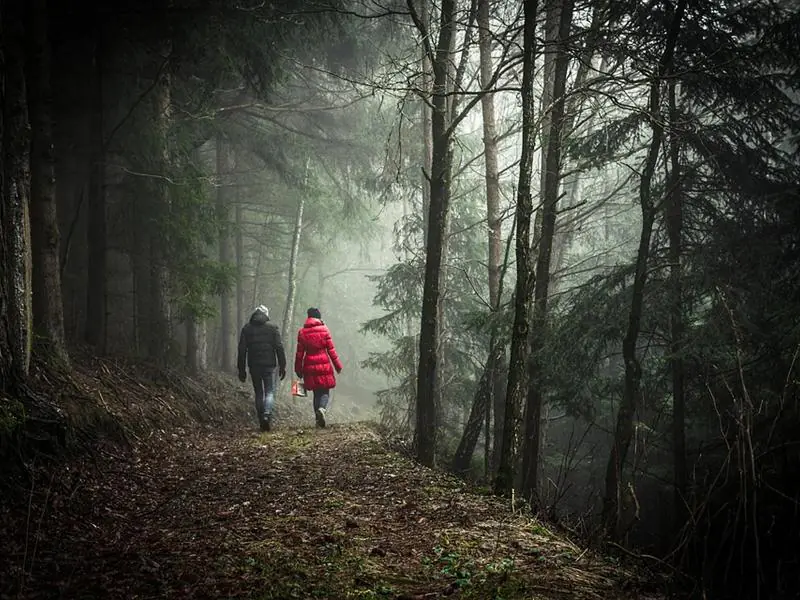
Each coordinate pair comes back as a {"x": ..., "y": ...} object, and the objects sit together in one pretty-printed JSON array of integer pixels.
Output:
[{"x": 315, "y": 351}]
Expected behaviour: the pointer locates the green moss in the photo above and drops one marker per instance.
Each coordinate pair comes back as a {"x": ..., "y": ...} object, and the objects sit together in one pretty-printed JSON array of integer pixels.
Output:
[
  {"x": 334, "y": 571},
  {"x": 12, "y": 416}
]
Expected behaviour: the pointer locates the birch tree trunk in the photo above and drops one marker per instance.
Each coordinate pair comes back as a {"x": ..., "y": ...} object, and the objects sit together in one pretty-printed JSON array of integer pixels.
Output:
[
  {"x": 48, "y": 309},
  {"x": 15, "y": 261},
  {"x": 518, "y": 372},
  {"x": 558, "y": 25},
  {"x": 291, "y": 292},
  {"x": 623, "y": 432}
]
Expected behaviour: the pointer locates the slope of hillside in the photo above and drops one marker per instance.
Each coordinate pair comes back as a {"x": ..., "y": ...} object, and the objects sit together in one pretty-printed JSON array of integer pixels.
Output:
[{"x": 217, "y": 511}]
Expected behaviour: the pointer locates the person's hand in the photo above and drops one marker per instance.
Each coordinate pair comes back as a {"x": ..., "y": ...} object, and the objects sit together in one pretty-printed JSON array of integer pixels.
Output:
[
  {"x": 338, "y": 370},
  {"x": 299, "y": 375},
  {"x": 242, "y": 377},
  {"x": 282, "y": 374}
]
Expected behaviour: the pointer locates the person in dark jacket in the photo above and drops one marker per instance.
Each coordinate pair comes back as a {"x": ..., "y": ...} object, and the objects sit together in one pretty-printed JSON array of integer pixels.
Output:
[
  {"x": 261, "y": 349},
  {"x": 312, "y": 362}
]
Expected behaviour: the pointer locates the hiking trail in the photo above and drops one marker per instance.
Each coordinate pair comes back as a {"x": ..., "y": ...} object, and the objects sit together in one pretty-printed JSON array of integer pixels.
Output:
[{"x": 295, "y": 513}]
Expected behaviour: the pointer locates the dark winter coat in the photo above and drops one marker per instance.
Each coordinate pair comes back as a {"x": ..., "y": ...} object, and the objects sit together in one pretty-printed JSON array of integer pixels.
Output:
[
  {"x": 315, "y": 351},
  {"x": 260, "y": 345}
]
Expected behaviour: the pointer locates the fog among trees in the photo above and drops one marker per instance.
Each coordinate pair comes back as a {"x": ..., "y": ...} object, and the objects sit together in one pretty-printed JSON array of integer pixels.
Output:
[{"x": 557, "y": 243}]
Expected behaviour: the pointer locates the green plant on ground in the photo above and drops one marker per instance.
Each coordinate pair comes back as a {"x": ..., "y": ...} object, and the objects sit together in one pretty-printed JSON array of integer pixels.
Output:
[{"x": 12, "y": 416}]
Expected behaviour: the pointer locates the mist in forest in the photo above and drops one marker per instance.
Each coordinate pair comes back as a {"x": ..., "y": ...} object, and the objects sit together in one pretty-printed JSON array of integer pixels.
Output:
[{"x": 555, "y": 242}]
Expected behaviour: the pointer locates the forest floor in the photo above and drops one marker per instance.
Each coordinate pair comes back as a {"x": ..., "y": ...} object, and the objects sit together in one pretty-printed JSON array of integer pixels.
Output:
[{"x": 227, "y": 512}]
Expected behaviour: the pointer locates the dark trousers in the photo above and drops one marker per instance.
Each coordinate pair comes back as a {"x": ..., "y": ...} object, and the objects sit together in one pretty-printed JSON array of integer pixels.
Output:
[
  {"x": 264, "y": 388},
  {"x": 321, "y": 398}
]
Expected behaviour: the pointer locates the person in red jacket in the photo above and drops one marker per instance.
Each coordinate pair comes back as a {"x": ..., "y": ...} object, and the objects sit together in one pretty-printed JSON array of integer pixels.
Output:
[{"x": 312, "y": 363}]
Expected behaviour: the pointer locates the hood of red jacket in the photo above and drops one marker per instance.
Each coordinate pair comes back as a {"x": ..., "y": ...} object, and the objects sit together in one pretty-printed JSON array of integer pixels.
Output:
[{"x": 312, "y": 322}]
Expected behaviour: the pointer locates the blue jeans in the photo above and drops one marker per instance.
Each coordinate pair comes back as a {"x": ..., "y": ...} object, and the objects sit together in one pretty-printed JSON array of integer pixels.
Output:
[
  {"x": 264, "y": 388},
  {"x": 321, "y": 398}
]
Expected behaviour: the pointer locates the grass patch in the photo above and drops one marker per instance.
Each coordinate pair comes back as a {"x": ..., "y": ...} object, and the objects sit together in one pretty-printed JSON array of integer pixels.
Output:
[{"x": 327, "y": 570}]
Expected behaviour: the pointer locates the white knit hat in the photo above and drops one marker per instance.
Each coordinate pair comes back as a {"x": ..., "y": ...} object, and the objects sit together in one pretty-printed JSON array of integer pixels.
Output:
[{"x": 262, "y": 308}]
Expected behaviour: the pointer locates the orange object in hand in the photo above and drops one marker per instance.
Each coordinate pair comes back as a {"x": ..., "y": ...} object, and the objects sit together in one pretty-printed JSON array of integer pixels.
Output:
[{"x": 298, "y": 389}]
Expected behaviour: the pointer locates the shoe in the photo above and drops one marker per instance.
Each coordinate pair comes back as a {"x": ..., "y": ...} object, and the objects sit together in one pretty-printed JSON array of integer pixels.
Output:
[
  {"x": 320, "y": 414},
  {"x": 266, "y": 423}
]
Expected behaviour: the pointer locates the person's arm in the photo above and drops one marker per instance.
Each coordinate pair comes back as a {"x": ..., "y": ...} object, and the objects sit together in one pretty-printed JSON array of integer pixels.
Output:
[
  {"x": 281, "y": 353},
  {"x": 241, "y": 356},
  {"x": 299, "y": 356},
  {"x": 332, "y": 352}
]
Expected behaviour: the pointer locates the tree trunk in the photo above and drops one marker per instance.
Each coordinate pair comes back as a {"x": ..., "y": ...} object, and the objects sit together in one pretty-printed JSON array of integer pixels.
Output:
[
  {"x": 140, "y": 260},
  {"x": 160, "y": 336},
  {"x": 441, "y": 164},
  {"x": 494, "y": 220},
  {"x": 559, "y": 22},
  {"x": 427, "y": 123},
  {"x": 291, "y": 292},
  {"x": 573, "y": 184},
  {"x": 16, "y": 259},
  {"x": 623, "y": 432},
  {"x": 6, "y": 227},
  {"x": 227, "y": 332},
  {"x": 239, "y": 263},
  {"x": 259, "y": 261},
  {"x": 48, "y": 309},
  {"x": 674, "y": 233},
  {"x": 477, "y": 415},
  {"x": 518, "y": 372},
  {"x": 196, "y": 345},
  {"x": 96, "y": 298}
]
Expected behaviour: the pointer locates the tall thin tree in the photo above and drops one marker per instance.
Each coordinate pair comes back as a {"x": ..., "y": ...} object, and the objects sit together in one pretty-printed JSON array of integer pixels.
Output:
[
  {"x": 96, "y": 230},
  {"x": 489, "y": 385},
  {"x": 623, "y": 432},
  {"x": 297, "y": 234},
  {"x": 15, "y": 248},
  {"x": 518, "y": 371},
  {"x": 160, "y": 335},
  {"x": 48, "y": 311},
  {"x": 674, "y": 222},
  {"x": 223, "y": 213},
  {"x": 558, "y": 24},
  {"x": 441, "y": 171}
]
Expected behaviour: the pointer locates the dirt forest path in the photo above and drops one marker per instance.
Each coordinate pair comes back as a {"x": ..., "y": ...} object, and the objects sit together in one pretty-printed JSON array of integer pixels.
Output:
[{"x": 296, "y": 513}]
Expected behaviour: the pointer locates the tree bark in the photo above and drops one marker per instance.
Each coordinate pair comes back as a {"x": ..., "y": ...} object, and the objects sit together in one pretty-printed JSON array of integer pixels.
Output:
[
  {"x": 291, "y": 291},
  {"x": 426, "y": 86},
  {"x": 223, "y": 218},
  {"x": 6, "y": 227},
  {"x": 477, "y": 415},
  {"x": 96, "y": 298},
  {"x": 623, "y": 432},
  {"x": 239, "y": 263},
  {"x": 196, "y": 345},
  {"x": 494, "y": 222},
  {"x": 439, "y": 205},
  {"x": 15, "y": 248},
  {"x": 48, "y": 309},
  {"x": 674, "y": 222},
  {"x": 518, "y": 372},
  {"x": 559, "y": 22},
  {"x": 160, "y": 336}
]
